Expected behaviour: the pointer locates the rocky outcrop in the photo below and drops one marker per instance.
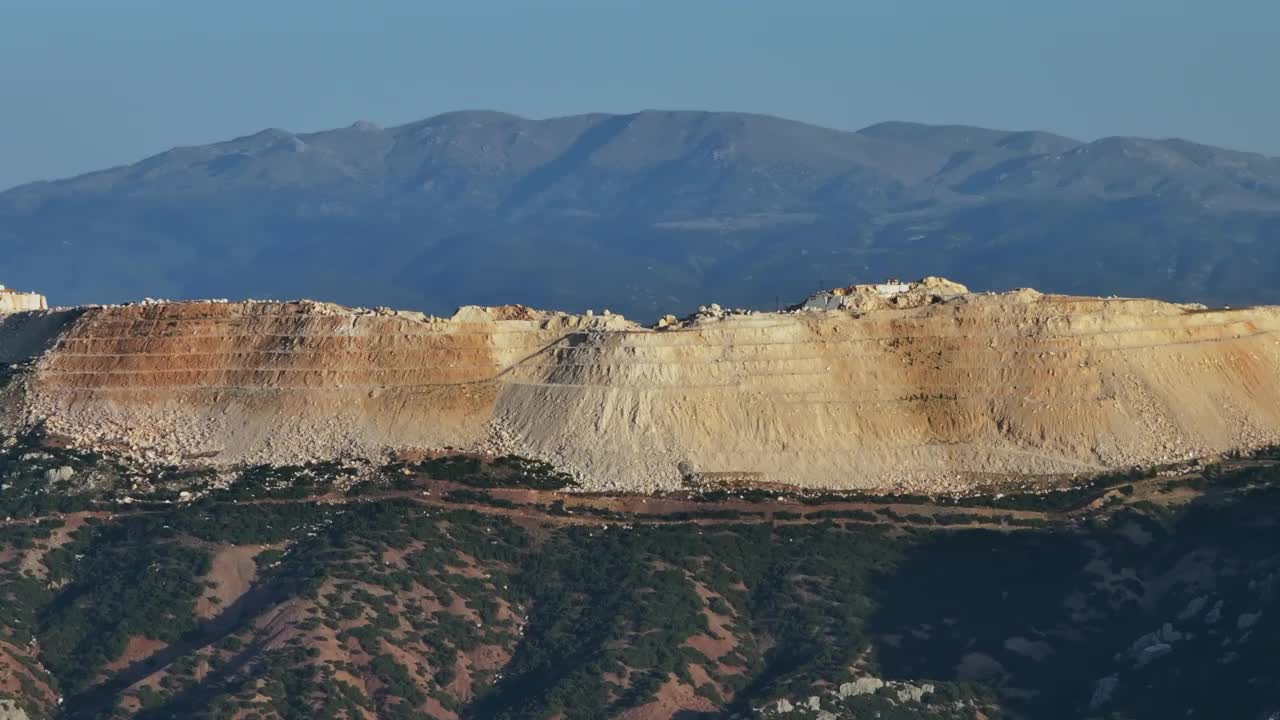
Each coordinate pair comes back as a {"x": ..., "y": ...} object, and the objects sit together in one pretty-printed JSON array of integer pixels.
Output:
[
  {"x": 939, "y": 392},
  {"x": 9, "y": 710},
  {"x": 891, "y": 294},
  {"x": 861, "y": 686},
  {"x": 843, "y": 701},
  {"x": 12, "y": 301}
]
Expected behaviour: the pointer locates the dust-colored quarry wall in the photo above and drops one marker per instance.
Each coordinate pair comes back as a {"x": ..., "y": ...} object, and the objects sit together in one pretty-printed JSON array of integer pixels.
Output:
[
  {"x": 12, "y": 301},
  {"x": 938, "y": 396}
]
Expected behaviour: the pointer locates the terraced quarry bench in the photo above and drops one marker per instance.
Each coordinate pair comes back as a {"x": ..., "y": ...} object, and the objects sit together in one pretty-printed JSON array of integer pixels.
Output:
[{"x": 961, "y": 390}]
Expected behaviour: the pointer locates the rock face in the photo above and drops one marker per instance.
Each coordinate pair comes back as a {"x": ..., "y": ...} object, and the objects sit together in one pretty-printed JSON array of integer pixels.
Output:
[
  {"x": 13, "y": 301},
  {"x": 935, "y": 394},
  {"x": 9, "y": 710},
  {"x": 891, "y": 294}
]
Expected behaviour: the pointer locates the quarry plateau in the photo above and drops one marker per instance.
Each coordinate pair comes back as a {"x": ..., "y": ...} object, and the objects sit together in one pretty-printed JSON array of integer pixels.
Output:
[{"x": 921, "y": 386}]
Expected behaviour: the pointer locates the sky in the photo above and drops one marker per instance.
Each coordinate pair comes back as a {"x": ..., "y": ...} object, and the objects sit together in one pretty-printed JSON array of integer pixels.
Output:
[{"x": 89, "y": 84}]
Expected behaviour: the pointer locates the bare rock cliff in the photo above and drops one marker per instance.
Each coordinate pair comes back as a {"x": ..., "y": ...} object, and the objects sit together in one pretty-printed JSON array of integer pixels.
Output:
[
  {"x": 924, "y": 394},
  {"x": 14, "y": 301}
]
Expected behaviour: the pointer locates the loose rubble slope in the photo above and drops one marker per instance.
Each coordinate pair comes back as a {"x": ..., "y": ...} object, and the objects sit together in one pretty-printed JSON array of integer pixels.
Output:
[{"x": 924, "y": 386}]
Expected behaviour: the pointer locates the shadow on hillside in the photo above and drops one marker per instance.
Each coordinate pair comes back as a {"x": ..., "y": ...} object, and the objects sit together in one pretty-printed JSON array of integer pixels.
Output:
[
  {"x": 955, "y": 601},
  {"x": 100, "y": 698}
]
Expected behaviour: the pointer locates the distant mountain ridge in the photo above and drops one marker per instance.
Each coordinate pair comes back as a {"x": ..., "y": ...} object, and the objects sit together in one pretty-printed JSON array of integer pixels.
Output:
[{"x": 647, "y": 213}]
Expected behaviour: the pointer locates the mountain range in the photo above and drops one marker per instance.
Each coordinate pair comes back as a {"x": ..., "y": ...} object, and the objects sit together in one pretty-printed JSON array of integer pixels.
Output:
[{"x": 648, "y": 213}]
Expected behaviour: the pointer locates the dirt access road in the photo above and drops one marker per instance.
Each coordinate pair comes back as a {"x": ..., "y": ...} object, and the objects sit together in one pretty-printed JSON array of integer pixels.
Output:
[{"x": 573, "y": 508}]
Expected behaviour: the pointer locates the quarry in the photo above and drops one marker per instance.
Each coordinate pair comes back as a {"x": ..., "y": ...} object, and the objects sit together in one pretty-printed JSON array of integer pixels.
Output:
[
  {"x": 14, "y": 301},
  {"x": 920, "y": 387}
]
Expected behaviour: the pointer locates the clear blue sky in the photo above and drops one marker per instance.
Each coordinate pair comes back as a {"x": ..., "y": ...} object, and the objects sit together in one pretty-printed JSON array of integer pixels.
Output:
[{"x": 90, "y": 83}]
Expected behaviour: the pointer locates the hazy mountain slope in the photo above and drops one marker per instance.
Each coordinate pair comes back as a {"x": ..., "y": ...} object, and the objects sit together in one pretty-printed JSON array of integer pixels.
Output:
[{"x": 636, "y": 212}]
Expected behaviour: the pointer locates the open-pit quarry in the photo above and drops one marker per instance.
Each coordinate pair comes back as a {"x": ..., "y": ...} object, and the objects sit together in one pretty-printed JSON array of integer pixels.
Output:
[{"x": 903, "y": 386}]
